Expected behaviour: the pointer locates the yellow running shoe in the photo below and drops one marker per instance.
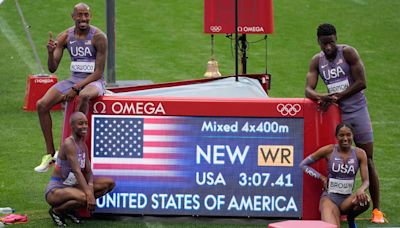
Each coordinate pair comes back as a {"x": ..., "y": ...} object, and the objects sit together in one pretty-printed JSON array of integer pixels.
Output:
[
  {"x": 378, "y": 216},
  {"x": 44, "y": 165}
]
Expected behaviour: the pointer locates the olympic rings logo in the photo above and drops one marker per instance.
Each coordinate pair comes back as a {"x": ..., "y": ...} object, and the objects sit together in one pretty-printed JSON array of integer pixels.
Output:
[
  {"x": 288, "y": 109},
  {"x": 215, "y": 28}
]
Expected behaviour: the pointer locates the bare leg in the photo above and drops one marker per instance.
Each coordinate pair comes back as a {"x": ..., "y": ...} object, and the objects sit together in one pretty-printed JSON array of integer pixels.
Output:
[
  {"x": 353, "y": 209},
  {"x": 330, "y": 213},
  {"x": 68, "y": 206},
  {"x": 65, "y": 199},
  {"x": 88, "y": 93},
  {"x": 43, "y": 106},
  {"x": 70, "y": 198},
  {"x": 102, "y": 186},
  {"x": 348, "y": 207},
  {"x": 374, "y": 188}
]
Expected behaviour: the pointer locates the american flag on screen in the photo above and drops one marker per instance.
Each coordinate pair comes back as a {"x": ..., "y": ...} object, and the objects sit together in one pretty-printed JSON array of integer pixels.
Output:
[{"x": 137, "y": 148}]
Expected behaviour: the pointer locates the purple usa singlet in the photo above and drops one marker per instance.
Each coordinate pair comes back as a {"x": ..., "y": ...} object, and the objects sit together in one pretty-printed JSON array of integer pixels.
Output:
[
  {"x": 342, "y": 172},
  {"x": 337, "y": 77},
  {"x": 82, "y": 52}
]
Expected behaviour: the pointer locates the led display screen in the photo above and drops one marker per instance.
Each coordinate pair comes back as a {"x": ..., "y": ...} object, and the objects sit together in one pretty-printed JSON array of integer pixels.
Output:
[{"x": 209, "y": 166}]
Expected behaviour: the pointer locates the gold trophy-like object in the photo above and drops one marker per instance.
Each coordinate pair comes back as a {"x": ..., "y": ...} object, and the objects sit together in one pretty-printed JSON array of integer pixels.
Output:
[{"x": 212, "y": 64}]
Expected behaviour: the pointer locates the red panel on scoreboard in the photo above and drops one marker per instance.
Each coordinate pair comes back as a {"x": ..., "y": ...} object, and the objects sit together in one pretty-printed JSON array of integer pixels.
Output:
[{"x": 254, "y": 16}]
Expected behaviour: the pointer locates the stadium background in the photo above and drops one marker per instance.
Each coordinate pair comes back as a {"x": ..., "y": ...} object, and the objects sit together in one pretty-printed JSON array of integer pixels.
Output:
[{"x": 164, "y": 41}]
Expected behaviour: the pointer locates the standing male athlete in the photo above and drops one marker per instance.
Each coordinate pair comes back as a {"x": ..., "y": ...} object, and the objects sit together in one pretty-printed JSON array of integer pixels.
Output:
[
  {"x": 87, "y": 46},
  {"x": 342, "y": 71}
]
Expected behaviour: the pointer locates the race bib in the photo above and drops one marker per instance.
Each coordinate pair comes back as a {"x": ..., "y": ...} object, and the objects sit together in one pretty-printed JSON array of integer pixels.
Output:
[
  {"x": 70, "y": 180},
  {"x": 84, "y": 67},
  {"x": 338, "y": 87},
  {"x": 340, "y": 186}
]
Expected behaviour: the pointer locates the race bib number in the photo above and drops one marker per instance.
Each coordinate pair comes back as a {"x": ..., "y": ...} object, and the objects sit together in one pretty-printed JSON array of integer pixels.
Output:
[
  {"x": 340, "y": 186},
  {"x": 338, "y": 87},
  {"x": 84, "y": 67},
  {"x": 71, "y": 180}
]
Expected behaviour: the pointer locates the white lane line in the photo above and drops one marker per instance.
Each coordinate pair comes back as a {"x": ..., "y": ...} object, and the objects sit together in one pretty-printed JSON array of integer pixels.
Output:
[{"x": 16, "y": 43}]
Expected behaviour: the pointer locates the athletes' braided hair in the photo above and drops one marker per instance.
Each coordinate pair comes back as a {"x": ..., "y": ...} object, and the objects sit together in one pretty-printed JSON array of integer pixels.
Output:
[
  {"x": 340, "y": 125},
  {"x": 326, "y": 30}
]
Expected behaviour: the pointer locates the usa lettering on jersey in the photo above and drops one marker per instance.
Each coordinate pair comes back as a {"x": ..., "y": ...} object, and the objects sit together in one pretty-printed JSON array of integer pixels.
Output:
[
  {"x": 80, "y": 52},
  {"x": 333, "y": 73},
  {"x": 343, "y": 168}
]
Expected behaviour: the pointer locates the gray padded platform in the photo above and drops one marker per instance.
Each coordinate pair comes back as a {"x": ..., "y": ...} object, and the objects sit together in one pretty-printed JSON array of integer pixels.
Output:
[{"x": 226, "y": 87}]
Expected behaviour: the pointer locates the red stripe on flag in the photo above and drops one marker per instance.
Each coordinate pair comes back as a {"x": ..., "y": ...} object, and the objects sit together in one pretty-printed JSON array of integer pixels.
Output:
[
  {"x": 137, "y": 166},
  {"x": 165, "y": 132},
  {"x": 163, "y": 121},
  {"x": 164, "y": 155},
  {"x": 165, "y": 179},
  {"x": 165, "y": 144}
]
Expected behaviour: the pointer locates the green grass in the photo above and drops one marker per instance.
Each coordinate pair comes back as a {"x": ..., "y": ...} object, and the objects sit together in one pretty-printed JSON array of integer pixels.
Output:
[{"x": 164, "y": 41}]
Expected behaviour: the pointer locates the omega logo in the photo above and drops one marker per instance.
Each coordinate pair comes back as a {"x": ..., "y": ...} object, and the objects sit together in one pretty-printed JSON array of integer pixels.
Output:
[
  {"x": 136, "y": 108},
  {"x": 250, "y": 29},
  {"x": 100, "y": 105}
]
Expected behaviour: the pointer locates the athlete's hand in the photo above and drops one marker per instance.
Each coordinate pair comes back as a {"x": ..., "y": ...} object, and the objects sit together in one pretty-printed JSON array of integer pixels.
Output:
[
  {"x": 325, "y": 101},
  {"x": 323, "y": 106},
  {"x": 336, "y": 97},
  {"x": 91, "y": 202},
  {"x": 70, "y": 95},
  {"x": 51, "y": 44},
  {"x": 361, "y": 198}
]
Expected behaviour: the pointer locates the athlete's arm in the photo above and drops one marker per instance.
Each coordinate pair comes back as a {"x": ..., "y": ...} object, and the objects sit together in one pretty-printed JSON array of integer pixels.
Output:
[
  {"x": 323, "y": 99},
  {"x": 88, "y": 170},
  {"x": 323, "y": 152},
  {"x": 55, "y": 49},
  {"x": 71, "y": 154},
  {"x": 357, "y": 73},
  {"x": 100, "y": 43},
  {"x": 91, "y": 201},
  {"x": 305, "y": 166},
  {"x": 361, "y": 196},
  {"x": 312, "y": 80}
]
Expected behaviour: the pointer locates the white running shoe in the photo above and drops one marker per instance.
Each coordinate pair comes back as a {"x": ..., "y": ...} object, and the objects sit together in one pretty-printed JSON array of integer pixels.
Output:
[
  {"x": 55, "y": 156},
  {"x": 47, "y": 160}
]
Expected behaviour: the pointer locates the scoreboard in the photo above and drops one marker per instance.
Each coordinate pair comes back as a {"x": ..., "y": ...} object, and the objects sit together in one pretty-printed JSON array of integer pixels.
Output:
[
  {"x": 226, "y": 166},
  {"x": 207, "y": 157}
]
